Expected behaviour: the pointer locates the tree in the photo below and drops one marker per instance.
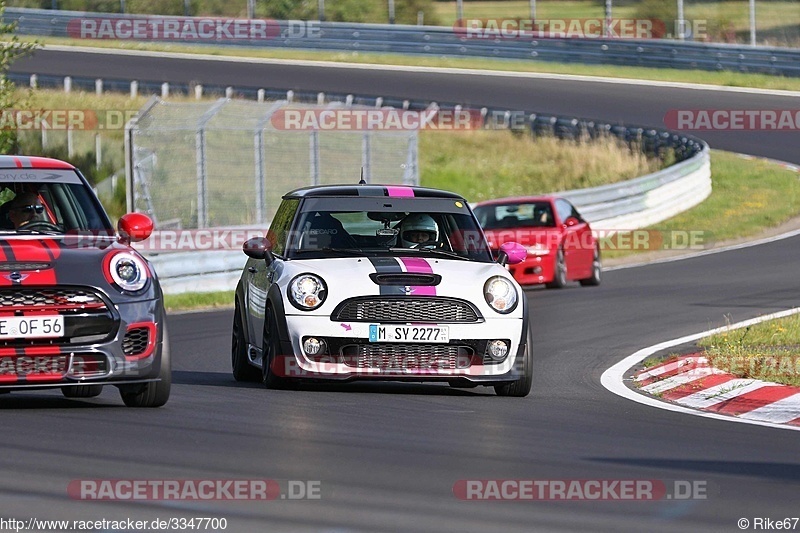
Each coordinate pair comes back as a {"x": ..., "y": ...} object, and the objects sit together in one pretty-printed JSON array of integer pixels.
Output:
[{"x": 11, "y": 48}]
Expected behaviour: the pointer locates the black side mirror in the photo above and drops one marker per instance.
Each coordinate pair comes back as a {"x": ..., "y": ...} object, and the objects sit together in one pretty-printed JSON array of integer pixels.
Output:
[{"x": 258, "y": 248}]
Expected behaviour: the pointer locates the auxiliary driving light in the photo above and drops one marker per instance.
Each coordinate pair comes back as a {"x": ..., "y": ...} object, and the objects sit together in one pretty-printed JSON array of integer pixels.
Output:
[
  {"x": 313, "y": 346},
  {"x": 498, "y": 350}
]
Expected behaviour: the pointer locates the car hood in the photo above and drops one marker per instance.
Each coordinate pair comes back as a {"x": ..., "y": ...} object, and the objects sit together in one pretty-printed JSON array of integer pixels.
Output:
[{"x": 59, "y": 260}]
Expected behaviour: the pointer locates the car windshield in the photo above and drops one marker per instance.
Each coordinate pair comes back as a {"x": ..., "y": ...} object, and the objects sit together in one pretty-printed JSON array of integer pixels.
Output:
[
  {"x": 388, "y": 228},
  {"x": 515, "y": 215},
  {"x": 48, "y": 201}
]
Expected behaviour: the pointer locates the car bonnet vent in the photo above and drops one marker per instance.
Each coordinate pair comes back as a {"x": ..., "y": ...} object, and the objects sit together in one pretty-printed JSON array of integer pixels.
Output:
[{"x": 406, "y": 278}]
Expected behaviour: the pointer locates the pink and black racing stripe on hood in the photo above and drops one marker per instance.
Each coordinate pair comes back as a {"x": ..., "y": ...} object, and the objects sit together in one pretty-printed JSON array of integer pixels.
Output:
[{"x": 409, "y": 276}]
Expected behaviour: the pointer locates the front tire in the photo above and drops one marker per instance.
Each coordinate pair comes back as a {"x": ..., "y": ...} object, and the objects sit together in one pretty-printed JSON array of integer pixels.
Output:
[
  {"x": 597, "y": 268},
  {"x": 522, "y": 386},
  {"x": 155, "y": 393},
  {"x": 240, "y": 365},
  {"x": 559, "y": 272},
  {"x": 272, "y": 349}
]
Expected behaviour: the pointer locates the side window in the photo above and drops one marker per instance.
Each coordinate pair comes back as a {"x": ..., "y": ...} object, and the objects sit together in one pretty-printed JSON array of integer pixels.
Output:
[
  {"x": 574, "y": 212},
  {"x": 281, "y": 224},
  {"x": 563, "y": 209}
]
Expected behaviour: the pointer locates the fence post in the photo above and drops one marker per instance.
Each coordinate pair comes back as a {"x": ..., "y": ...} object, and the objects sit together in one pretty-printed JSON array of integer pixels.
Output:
[
  {"x": 129, "y": 164},
  {"x": 200, "y": 160},
  {"x": 366, "y": 155},
  {"x": 260, "y": 178},
  {"x": 98, "y": 151},
  {"x": 134, "y": 89},
  {"x": 70, "y": 143},
  {"x": 314, "y": 157},
  {"x": 98, "y": 86},
  {"x": 67, "y": 84},
  {"x": 165, "y": 90}
]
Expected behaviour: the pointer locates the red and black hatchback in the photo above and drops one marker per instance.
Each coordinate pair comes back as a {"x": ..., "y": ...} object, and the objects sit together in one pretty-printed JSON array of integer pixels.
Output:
[{"x": 79, "y": 307}]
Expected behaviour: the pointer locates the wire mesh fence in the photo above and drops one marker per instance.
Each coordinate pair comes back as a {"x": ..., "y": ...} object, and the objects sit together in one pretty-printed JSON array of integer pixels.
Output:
[{"x": 228, "y": 162}]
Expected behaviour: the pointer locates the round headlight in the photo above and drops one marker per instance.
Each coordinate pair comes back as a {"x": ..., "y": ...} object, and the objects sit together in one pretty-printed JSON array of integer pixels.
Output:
[
  {"x": 307, "y": 292},
  {"x": 127, "y": 271},
  {"x": 500, "y": 294}
]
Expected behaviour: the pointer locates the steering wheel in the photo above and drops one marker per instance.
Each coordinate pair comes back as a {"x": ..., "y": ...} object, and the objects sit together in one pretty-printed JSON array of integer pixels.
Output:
[{"x": 42, "y": 224}]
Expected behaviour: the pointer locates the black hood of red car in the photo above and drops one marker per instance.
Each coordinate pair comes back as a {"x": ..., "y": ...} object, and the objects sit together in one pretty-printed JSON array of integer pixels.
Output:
[{"x": 43, "y": 261}]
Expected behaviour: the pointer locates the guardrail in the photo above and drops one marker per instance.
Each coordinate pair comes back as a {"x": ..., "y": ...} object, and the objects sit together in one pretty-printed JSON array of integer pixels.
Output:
[{"x": 437, "y": 40}]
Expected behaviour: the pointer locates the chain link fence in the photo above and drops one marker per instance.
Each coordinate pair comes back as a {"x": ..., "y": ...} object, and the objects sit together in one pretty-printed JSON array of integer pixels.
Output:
[{"x": 228, "y": 162}]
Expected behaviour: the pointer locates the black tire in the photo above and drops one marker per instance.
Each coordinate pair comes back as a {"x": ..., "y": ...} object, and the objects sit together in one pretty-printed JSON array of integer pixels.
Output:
[
  {"x": 559, "y": 272},
  {"x": 521, "y": 387},
  {"x": 597, "y": 270},
  {"x": 82, "y": 391},
  {"x": 240, "y": 365},
  {"x": 155, "y": 393},
  {"x": 272, "y": 348}
]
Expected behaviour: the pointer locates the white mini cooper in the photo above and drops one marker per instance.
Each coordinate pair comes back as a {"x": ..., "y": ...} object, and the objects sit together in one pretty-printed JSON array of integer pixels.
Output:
[{"x": 373, "y": 282}]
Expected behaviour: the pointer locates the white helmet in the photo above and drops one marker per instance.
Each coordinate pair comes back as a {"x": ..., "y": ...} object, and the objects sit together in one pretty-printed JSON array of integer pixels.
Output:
[{"x": 418, "y": 222}]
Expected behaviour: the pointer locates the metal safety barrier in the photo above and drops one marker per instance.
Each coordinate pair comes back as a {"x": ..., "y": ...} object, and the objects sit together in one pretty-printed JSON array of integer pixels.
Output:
[{"x": 427, "y": 40}]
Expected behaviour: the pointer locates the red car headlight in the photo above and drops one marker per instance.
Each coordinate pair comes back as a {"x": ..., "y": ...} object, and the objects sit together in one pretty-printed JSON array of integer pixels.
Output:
[{"x": 125, "y": 270}]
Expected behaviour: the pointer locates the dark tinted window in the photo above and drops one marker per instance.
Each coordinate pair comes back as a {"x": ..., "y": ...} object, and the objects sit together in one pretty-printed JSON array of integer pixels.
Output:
[
  {"x": 49, "y": 206},
  {"x": 281, "y": 224},
  {"x": 531, "y": 214}
]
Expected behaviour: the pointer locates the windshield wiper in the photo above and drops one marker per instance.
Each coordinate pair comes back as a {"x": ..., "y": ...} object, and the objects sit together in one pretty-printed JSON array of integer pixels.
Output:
[
  {"x": 449, "y": 255},
  {"x": 39, "y": 231},
  {"x": 328, "y": 250}
]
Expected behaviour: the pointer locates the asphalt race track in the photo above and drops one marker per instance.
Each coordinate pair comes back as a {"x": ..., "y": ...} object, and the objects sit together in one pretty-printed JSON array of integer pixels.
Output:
[{"x": 388, "y": 455}]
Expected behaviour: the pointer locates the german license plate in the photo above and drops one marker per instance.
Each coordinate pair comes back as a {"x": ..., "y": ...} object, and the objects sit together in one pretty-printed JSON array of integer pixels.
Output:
[
  {"x": 23, "y": 327},
  {"x": 397, "y": 333}
]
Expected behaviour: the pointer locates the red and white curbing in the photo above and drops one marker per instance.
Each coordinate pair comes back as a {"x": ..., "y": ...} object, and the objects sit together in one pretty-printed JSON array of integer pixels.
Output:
[{"x": 690, "y": 381}]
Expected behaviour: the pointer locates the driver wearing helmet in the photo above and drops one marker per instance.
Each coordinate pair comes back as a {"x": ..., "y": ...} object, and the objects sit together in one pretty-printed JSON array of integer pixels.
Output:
[{"x": 418, "y": 230}]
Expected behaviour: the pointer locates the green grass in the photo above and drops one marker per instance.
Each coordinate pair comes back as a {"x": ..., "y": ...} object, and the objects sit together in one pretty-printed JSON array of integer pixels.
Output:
[
  {"x": 729, "y": 79},
  {"x": 769, "y": 351},
  {"x": 748, "y": 196},
  {"x": 198, "y": 300},
  {"x": 481, "y": 165}
]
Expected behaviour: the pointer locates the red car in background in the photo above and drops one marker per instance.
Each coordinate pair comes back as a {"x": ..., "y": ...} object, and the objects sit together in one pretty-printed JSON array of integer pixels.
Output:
[{"x": 560, "y": 243}]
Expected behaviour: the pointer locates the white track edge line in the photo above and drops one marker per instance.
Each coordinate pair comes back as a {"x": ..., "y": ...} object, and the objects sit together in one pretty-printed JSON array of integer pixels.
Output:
[
  {"x": 612, "y": 379},
  {"x": 420, "y": 69}
]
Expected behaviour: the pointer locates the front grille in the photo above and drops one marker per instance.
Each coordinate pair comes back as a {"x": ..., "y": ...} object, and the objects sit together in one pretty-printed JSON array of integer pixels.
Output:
[
  {"x": 135, "y": 341},
  {"x": 405, "y": 309},
  {"x": 87, "y": 318},
  {"x": 56, "y": 299},
  {"x": 407, "y": 356}
]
